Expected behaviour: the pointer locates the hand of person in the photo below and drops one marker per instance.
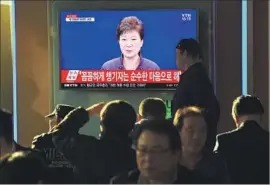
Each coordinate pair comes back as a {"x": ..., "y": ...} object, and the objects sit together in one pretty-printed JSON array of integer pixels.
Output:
[{"x": 95, "y": 109}]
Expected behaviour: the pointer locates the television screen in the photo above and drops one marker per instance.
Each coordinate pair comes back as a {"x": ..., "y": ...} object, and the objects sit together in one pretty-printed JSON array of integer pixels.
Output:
[{"x": 122, "y": 49}]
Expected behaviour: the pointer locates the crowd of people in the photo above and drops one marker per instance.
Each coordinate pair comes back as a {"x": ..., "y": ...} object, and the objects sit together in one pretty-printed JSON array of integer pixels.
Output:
[{"x": 143, "y": 147}]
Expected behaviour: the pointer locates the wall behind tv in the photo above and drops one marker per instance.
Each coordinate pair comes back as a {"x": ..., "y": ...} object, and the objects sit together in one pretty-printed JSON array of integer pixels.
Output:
[
  {"x": 33, "y": 69},
  {"x": 5, "y": 58},
  {"x": 261, "y": 37}
]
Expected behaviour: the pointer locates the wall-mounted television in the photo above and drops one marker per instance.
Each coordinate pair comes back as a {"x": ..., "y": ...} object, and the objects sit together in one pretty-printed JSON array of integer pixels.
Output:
[{"x": 122, "y": 49}]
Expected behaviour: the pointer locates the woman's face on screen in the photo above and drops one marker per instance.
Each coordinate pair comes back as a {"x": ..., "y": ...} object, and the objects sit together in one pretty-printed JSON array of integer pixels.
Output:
[{"x": 130, "y": 44}]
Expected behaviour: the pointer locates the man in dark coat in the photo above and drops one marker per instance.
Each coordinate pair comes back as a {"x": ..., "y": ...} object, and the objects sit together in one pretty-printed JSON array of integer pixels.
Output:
[
  {"x": 97, "y": 160},
  {"x": 62, "y": 172},
  {"x": 195, "y": 87},
  {"x": 246, "y": 149}
]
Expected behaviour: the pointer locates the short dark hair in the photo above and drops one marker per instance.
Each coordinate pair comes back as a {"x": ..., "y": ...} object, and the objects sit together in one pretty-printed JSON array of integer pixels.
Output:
[
  {"x": 185, "y": 112},
  {"x": 160, "y": 127},
  {"x": 191, "y": 46},
  {"x": 130, "y": 23},
  {"x": 118, "y": 116},
  {"x": 246, "y": 105},
  {"x": 152, "y": 107},
  {"x": 23, "y": 168},
  {"x": 6, "y": 125}
]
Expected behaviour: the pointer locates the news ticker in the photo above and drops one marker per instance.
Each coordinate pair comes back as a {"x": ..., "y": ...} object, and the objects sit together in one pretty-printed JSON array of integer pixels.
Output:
[
  {"x": 120, "y": 76},
  {"x": 117, "y": 86}
]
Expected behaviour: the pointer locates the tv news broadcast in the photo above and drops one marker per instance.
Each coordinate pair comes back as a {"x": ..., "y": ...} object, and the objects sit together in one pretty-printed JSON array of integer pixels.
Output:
[{"x": 119, "y": 49}]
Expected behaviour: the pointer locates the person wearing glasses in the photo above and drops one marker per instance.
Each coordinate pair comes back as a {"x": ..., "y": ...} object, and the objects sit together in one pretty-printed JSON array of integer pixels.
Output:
[
  {"x": 130, "y": 35},
  {"x": 158, "y": 148}
]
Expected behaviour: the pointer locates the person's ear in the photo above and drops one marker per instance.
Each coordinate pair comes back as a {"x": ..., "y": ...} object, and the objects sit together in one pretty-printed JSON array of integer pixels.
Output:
[
  {"x": 184, "y": 53},
  {"x": 139, "y": 117},
  {"x": 237, "y": 122},
  {"x": 142, "y": 41}
]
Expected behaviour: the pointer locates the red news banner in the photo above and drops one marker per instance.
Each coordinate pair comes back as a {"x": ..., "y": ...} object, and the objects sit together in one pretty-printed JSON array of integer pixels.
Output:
[{"x": 120, "y": 76}]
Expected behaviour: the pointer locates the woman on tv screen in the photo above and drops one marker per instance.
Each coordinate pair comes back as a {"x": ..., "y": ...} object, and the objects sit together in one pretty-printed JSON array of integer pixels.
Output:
[{"x": 130, "y": 35}]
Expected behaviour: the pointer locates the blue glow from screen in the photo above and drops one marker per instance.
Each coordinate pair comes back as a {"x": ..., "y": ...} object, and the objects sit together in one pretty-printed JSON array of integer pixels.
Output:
[
  {"x": 14, "y": 69},
  {"x": 244, "y": 48}
]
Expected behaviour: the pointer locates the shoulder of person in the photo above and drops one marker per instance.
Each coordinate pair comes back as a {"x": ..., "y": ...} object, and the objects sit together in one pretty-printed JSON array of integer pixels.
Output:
[
  {"x": 82, "y": 137},
  {"x": 41, "y": 136},
  {"x": 19, "y": 147},
  {"x": 111, "y": 62},
  {"x": 36, "y": 151},
  {"x": 227, "y": 136},
  {"x": 263, "y": 138},
  {"x": 197, "y": 72},
  {"x": 217, "y": 158},
  {"x": 86, "y": 141},
  {"x": 150, "y": 63}
]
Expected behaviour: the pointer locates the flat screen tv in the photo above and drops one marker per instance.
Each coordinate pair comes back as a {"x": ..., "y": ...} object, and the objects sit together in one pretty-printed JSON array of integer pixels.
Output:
[{"x": 120, "y": 49}]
